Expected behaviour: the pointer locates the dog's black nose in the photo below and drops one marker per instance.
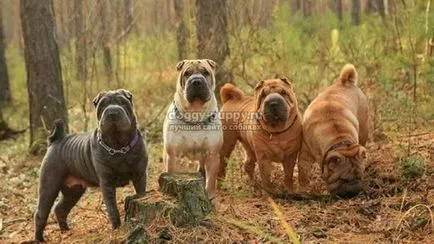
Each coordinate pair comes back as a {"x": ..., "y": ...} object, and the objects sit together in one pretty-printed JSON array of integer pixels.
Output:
[
  {"x": 196, "y": 82},
  {"x": 274, "y": 104},
  {"x": 113, "y": 113}
]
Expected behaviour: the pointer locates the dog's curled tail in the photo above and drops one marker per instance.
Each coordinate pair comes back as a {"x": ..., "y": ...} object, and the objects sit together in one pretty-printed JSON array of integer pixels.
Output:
[
  {"x": 230, "y": 92},
  {"x": 348, "y": 75},
  {"x": 58, "y": 131}
]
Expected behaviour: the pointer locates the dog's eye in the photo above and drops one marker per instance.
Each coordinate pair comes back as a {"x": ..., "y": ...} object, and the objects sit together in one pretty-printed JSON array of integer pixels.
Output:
[
  {"x": 283, "y": 93},
  {"x": 333, "y": 162},
  {"x": 187, "y": 73},
  {"x": 205, "y": 72},
  {"x": 124, "y": 103}
]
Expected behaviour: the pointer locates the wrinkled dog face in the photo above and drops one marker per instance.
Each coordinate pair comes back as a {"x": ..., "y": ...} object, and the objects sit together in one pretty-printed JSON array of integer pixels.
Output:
[
  {"x": 275, "y": 100},
  {"x": 114, "y": 110},
  {"x": 343, "y": 169},
  {"x": 196, "y": 79}
]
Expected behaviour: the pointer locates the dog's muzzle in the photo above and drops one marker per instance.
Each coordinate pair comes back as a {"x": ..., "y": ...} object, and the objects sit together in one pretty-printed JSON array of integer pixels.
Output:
[
  {"x": 197, "y": 89},
  {"x": 115, "y": 117},
  {"x": 275, "y": 108}
]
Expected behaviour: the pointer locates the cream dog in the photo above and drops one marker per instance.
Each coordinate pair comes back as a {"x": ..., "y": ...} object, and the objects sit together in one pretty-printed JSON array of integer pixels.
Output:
[{"x": 192, "y": 127}]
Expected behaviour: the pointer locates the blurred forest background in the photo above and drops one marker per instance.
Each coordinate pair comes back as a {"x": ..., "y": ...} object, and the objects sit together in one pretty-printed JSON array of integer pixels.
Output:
[
  {"x": 56, "y": 55},
  {"x": 136, "y": 44}
]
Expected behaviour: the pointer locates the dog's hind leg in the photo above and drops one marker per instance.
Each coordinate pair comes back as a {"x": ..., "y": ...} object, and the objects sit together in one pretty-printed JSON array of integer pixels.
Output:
[
  {"x": 249, "y": 160},
  {"x": 304, "y": 164},
  {"x": 229, "y": 141},
  {"x": 70, "y": 197},
  {"x": 52, "y": 175}
]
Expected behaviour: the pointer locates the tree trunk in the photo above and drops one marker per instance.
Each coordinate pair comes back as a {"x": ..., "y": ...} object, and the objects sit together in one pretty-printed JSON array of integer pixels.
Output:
[
  {"x": 307, "y": 6},
  {"x": 382, "y": 8},
  {"x": 295, "y": 6},
  {"x": 5, "y": 93},
  {"x": 212, "y": 36},
  {"x": 182, "y": 30},
  {"x": 44, "y": 73},
  {"x": 128, "y": 14},
  {"x": 105, "y": 40},
  {"x": 80, "y": 42},
  {"x": 339, "y": 9},
  {"x": 356, "y": 12}
]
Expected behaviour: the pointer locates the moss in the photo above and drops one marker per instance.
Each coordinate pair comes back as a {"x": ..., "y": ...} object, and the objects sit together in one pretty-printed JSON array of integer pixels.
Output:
[{"x": 413, "y": 166}]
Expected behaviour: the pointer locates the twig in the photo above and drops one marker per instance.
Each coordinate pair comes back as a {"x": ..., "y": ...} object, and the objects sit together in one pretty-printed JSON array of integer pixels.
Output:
[
  {"x": 413, "y": 135},
  {"x": 427, "y": 27},
  {"x": 13, "y": 221}
]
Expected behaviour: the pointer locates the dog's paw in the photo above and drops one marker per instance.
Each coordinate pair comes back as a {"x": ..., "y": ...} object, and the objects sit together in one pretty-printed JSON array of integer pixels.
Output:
[
  {"x": 63, "y": 226},
  {"x": 116, "y": 224}
]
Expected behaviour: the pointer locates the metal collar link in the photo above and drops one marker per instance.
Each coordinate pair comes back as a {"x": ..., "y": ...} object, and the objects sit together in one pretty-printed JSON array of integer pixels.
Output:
[{"x": 123, "y": 150}]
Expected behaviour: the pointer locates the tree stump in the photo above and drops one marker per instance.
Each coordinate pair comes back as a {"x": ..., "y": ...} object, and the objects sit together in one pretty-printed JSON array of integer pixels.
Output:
[{"x": 182, "y": 200}]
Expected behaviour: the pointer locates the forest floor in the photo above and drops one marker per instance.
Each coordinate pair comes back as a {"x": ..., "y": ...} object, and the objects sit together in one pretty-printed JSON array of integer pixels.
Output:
[{"x": 391, "y": 209}]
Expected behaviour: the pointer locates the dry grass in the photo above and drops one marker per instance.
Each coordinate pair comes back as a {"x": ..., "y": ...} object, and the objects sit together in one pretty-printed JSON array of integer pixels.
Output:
[{"x": 391, "y": 209}]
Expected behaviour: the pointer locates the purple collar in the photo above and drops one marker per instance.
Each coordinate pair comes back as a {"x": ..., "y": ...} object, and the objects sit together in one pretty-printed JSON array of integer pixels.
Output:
[{"x": 124, "y": 149}]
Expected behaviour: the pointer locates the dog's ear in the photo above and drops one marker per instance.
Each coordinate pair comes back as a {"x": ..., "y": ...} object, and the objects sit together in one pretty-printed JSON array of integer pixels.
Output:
[
  {"x": 126, "y": 94},
  {"x": 180, "y": 64},
  {"x": 258, "y": 95},
  {"x": 259, "y": 85},
  {"x": 98, "y": 98},
  {"x": 212, "y": 64},
  {"x": 286, "y": 81}
]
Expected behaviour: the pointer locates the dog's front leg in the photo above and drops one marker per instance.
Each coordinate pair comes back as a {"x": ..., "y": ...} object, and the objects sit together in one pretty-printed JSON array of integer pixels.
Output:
[
  {"x": 109, "y": 195},
  {"x": 265, "y": 173},
  {"x": 139, "y": 182},
  {"x": 212, "y": 165},
  {"x": 288, "y": 170},
  {"x": 170, "y": 162}
]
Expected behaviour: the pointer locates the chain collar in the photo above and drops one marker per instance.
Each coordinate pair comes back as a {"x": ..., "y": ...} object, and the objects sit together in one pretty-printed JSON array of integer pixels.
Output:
[{"x": 124, "y": 149}]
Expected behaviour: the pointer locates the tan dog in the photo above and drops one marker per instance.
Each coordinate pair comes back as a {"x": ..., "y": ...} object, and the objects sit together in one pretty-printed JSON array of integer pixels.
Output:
[
  {"x": 268, "y": 126},
  {"x": 335, "y": 130},
  {"x": 192, "y": 127}
]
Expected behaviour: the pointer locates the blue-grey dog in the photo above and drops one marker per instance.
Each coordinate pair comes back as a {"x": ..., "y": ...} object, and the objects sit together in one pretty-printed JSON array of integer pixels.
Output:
[{"x": 109, "y": 157}]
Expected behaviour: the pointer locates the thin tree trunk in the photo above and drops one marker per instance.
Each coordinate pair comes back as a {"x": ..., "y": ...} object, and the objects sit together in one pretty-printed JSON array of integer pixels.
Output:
[
  {"x": 307, "y": 6},
  {"x": 295, "y": 6},
  {"x": 382, "y": 9},
  {"x": 107, "y": 57},
  {"x": 44, "y": 73},
  {"x": 128, "y": 14},
  {"x": 356, "y": 12},
  {"x": 182, "y": 30},
  {"x": 339, "y": 9},
  {"x": 5, "y": 92},
  {"x": 80, "y": 42},
  {"x": 212, "y": 36}
]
